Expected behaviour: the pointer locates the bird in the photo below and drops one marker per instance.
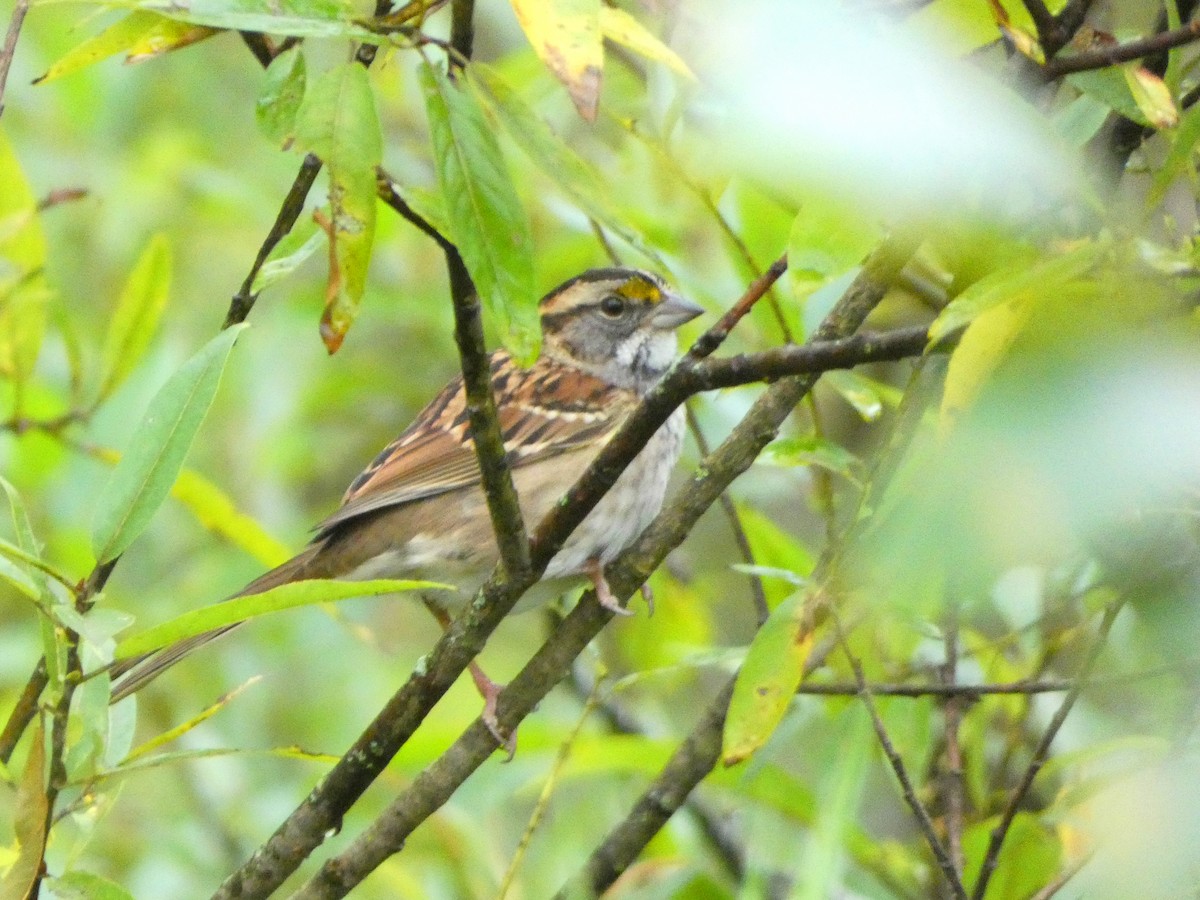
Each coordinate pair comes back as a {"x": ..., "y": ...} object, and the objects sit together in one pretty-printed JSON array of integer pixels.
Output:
[{"x": 418, "y": 510}]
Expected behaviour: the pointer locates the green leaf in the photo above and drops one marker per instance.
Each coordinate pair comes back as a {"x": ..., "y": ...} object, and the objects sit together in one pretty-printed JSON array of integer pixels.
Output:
[
  {"x": 143, "y": 478},
  {"x": 577, "y": 178},
  {"x": 1111, "y": 88},
  {"x": 1184, "y": 140},
  {"x": 23, "y": 290},
  {"x": 768, "y": 678},
  {"x": 287, "y": 256},
  {"x": 773, "y": 548},
  {"x": 140, "y": 35},
  {"x": 281, "y": 96},
  {"x": 812, "y": 451},
  {"x": 294, "y": 18},
  {"x": 1032, "y": 857},
  {"x": 138, "y": 311},
  {"x": 1152, "y": 96},
  {"x": 565, "y": 34},
  {"x": 215, "y": 511},
  {"x": 863, "y": 394},
  {"x": 337, "y": 121},
  {"x": 286, "y": 596},
  {"x": 1017, "y": 282},
  {"x": 827, "y": 240},
  {"x": 486, "y": 220},
  {"x": 80, "y": 885}
]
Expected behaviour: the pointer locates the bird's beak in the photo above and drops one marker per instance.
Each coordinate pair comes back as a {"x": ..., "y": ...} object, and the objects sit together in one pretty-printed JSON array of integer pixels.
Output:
[{"x": 672, "y": 311}]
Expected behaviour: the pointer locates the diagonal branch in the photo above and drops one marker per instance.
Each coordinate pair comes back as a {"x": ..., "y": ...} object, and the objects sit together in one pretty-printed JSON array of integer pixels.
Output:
[
  {"x": 10, "y": 45},
  {"x": 1042, "y": 751},
  {"x": 1115, "y": 54},
  {"x": 553, "y": 660}
]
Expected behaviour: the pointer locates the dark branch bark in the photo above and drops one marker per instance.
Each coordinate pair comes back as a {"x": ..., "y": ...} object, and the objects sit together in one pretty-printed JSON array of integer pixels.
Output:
[
  {"x": 553, "y": 660},
  {"x": 1103, "y": 57},
  {"x": 1041, "y": 752},
  {"x": 10, "y": 45}
]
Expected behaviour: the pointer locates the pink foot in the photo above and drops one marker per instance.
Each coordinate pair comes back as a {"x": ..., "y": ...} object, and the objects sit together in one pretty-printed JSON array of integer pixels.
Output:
[{"x": 604, "y": 596}]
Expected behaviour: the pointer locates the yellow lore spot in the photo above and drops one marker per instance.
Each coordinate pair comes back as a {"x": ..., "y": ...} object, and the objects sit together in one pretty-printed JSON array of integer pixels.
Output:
[{"x": 638, "y": 288}]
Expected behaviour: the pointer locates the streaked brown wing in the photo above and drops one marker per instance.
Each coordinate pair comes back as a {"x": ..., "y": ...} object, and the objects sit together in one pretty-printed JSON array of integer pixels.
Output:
[{"x": 544, "y": 410}]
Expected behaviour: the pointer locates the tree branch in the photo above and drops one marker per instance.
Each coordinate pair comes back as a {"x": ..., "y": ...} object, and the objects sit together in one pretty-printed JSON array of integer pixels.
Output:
[
  {"x": 10, "y": 45},
  {"x": 553, "y": 660},
  {"x": 1042, "y": 751},
  {"x": 1103, "y": 57}
]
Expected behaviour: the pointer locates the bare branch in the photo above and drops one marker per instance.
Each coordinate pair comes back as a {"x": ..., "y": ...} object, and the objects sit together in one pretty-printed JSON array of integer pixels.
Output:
[
  {"x": 1042, "y": 751},
  {"x": 944, "y": 861},
  {"x": 10, "y": 45},
  {"x": 1103, "y": 57}
]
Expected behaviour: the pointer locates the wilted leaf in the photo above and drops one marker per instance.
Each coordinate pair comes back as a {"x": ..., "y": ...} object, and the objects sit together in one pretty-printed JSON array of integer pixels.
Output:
[
  {"x": 622, "y": 28},
  {"x": 486, "y": 220},
  {"x": 140, "y": 35},
  {"x": 1151, "y": 95},
  {"x": 337, "y": 121},
  {"x": 287, "y": 596},
  {"x": 565, "y": 34},
  {"x": 768, "y": 678},
  {"x": 29, "y": 821},
  {"x": 281, "y": 96},
  {"x": 578, "y": 179},
  {"x": 138, "y": 311},
  {"x": 147, "y": 471}
]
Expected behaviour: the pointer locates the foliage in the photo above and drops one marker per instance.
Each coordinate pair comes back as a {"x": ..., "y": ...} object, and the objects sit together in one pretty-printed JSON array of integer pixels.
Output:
[{"x": 931, "y": 567}]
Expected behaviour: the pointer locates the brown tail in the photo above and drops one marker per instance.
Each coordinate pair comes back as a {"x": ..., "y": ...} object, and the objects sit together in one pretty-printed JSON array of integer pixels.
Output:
[{"x": 131, "y": 675}]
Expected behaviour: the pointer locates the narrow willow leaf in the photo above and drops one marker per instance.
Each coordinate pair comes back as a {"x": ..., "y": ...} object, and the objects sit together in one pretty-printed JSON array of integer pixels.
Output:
[
  {"x": 768, "y": 678},
  {"x": 1184, "y": 141},
  {"x": 981, "y": 348},
  {"x": 1111, "y": 88},
  {"x": 23, "y": 290},
  {"x": 337, "y": 121},
  {"x": 286, "y": 596},
  {"x": 293, "y": 18},
  {"x": 622, "y": 28},
  {"x": 577, "y": 178},
  {"x": 281, "y": 95},
  {"x": 1016, "y": 282},
  {"x": 171, "y": 734},
  {"x": 29, "y": 822},
  {"x": 565, "y": 34},
  {"x": 79, "y": 885},
  {"x": 1152, "y": 96},
  {"x": 138, "y": 312},
  {"x": 486, "y": 220},
  {"x": 288, "y": 255},
  {"x": 811, "y": 450},
  {"x": 140, "y": 34},
  {"x": 143, "y": 478}
]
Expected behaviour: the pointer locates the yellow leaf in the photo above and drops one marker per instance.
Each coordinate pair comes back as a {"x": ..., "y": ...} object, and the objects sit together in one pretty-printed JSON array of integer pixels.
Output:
[
  {"x": 983, "y": 346},
  {"x": 622, "y": 28},
  {"x": 140, "y": 34},
  {"x": 29, "y": 822},
  {"x": 1152, "y": 96},
  {"x": 565, "y": 34}
]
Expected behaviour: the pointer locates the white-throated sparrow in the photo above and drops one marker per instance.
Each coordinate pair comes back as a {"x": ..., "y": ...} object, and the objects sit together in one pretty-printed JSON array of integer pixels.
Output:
[{"x": 418, "y": 510}]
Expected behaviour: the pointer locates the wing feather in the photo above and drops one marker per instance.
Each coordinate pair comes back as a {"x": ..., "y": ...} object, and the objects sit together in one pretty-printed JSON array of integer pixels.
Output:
[{"x": 544, "y": 411}]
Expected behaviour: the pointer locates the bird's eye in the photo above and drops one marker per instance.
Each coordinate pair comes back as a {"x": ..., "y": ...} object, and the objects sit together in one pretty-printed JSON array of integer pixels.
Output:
[{"x": 612, "y": 306}]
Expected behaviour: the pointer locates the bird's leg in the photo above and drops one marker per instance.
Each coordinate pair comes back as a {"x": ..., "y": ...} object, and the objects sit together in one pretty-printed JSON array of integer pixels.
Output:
[
  {"x": 488, "y": 689},
  {"x": 604, "y": 596}
]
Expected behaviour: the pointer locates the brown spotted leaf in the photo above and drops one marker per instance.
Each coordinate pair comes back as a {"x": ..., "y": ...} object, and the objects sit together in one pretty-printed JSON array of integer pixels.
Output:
[{"x": 566, "y": 36}]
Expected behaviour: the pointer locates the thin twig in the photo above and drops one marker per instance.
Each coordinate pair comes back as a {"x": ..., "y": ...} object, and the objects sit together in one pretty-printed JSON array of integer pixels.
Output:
[
  {"x": 758, "y": 594},
  {"x": 945, "y": 863},
  {"x": 1062, "y": 880},
  {"x": 1115, "y": 54},
  {"x": 10, "y": 45},
  {"x": 1042, "y": 751},
  {"x": 952, "y": 712}
]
